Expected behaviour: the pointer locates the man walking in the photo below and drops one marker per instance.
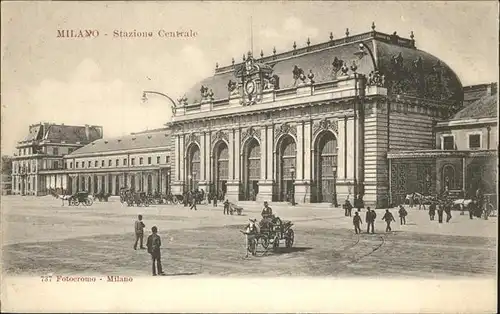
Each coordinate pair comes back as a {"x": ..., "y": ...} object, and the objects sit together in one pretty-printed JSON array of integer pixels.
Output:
[
  {"x": 370, "y": 219},
  {"x": 154, "y": 244},
  {"x": 194, "y": 200},
  {"x": 356, "y": 220},
  {"x": 447, "y": 210},
  {"x": 388, "y": 217},
  {"x": 402, "y": 214},
  {"x": 432, "y": 210},
  {"x": 440, "y": 213},
  {"x": 226, "y": 207},
  {"x": 139, "y": 232}
]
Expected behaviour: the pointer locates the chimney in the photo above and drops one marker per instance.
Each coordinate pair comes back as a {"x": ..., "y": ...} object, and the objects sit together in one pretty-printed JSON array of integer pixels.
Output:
[{"x": 87, "y": 132}]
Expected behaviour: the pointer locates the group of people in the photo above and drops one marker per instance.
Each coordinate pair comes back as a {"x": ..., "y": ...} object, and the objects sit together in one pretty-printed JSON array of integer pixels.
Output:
[
  {"x": 153, "y": 245},
  {"x": 358, "y": 204},
  {"x": 371, "y": 216}
]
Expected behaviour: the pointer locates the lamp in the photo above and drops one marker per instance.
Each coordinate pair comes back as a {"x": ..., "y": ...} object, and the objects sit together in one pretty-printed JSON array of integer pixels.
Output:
[{"x": 292, "y": 173}]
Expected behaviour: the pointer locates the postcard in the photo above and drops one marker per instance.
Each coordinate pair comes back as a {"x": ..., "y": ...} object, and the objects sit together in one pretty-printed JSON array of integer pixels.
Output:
[{"x": 217, "y": 156}]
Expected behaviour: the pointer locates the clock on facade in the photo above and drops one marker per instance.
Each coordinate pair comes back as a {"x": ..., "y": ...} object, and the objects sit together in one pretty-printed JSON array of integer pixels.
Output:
[{"x": 250, "y": 87}]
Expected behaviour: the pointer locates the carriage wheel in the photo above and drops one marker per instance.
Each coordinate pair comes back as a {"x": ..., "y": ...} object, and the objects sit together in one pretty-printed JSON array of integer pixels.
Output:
[
  {"x": 239, "y": 212},
  {"x": 290, "y": 237},
  {"x": 146, "y": 203},
  {"x": 175, "y": 201},
  {"x": 89, "y": 202}
]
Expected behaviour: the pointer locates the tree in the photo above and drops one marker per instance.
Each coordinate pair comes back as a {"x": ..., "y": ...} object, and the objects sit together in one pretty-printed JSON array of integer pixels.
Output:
[{"x": 6, "y": 165}]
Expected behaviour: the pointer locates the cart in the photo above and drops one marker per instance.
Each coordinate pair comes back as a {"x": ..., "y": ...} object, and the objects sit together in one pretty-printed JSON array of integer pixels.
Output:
[{"x": 81, "y": 198}]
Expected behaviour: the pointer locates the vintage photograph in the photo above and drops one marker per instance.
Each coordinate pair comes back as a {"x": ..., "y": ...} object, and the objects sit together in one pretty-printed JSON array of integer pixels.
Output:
[{"x": 163, "y": 146}]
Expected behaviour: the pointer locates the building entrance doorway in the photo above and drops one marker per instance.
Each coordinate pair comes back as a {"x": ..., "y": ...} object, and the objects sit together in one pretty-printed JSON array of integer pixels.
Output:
[
  {"x": 326, "y": 170},
  {"x": 286, "y": 153},
  {"x": 221, "y": 168},
  {"x": 251, "y": 173}
]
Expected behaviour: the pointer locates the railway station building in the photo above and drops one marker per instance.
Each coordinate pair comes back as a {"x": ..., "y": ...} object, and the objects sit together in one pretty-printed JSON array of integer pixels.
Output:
[
  {"x": 39, "y": 161},
  {"x": 139, "y": 161},
  {"x": 317, "y": 122}
]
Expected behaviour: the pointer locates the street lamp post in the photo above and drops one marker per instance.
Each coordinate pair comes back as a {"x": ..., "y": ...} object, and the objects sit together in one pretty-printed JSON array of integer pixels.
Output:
[
  {"x": 334, "y": 194},
  {"x": 145, "y": 98},
  {"x": 292, "y": 173}
]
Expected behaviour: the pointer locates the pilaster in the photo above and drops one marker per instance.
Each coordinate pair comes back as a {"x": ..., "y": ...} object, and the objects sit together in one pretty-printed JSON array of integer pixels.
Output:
[
  {"x": 299, "y": 171},
  {"x": 202, "y": 177}
]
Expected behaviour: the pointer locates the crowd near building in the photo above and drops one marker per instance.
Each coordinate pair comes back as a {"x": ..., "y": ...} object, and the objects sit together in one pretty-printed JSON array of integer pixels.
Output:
[{"x": 365, "y": 115}]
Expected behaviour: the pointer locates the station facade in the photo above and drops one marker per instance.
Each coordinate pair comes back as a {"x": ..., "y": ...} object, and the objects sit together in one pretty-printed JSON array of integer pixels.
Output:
[{"x": 315, "y": 122}]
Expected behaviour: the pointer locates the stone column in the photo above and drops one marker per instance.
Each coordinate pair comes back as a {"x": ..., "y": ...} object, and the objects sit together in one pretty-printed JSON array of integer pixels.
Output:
[
  {"x": 202, "y": 176},
  {"x": 178, "y": 180},
  {"x": 232, "y": 183},
  {"x": 306, "y": 160},
  {"x": 267, "y": 151},
  {"x": 345, "y": 183}
]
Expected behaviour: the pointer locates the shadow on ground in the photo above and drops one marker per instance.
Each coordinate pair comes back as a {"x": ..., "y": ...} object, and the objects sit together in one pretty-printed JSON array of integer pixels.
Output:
[{"x": 284, "y": 250}]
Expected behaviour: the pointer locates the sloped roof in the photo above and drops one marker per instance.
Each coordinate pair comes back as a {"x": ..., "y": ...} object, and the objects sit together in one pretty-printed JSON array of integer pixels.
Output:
[
  {"x": 319, "y": 60},
  {"x": 71, "y": 134},
  {"x": 128, "y": 142},
  {"x": 485, "y": 107},
  {"x": 33, "y": 133}
]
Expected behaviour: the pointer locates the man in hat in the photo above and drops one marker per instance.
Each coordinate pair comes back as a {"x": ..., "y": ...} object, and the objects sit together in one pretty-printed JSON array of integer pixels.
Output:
[
  {"x": 388, "y": 217},
  {"x": 370, "y": 219},
  {"x": 356, "y": 220},
  {"x": 154, "y": 244},
  {"x": 267, "y": 215},
  {"x": 402, "y": 214},
  {"x": 251, "y": 230},
  {"x": 226, "y": 207},
  {"x": 139, "y": 232}
]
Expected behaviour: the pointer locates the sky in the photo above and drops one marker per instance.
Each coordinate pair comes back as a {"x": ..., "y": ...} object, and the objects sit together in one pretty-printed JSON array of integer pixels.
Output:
[{"x": 99, "y": 80}]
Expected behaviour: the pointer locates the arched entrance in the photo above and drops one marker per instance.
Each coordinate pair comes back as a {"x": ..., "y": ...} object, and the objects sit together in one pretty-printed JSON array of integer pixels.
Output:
[
  {"x": 251, "y": 172},
  {"x": 326, "y": 167},
  {"x": 150, "y": 184},
  {"x": 117, "y": 185},
  {"x": 193, "y": 167},
  {"x": 221, "y": 168},
  {"x": 448, "y": 178},
  {"x": 286, "y": 163}
]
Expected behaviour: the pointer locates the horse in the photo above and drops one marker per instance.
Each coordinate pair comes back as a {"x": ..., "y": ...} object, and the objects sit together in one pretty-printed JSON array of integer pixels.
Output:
[
  {"x": 251, "y": 230},
  {"x": 64, "y": 198}
]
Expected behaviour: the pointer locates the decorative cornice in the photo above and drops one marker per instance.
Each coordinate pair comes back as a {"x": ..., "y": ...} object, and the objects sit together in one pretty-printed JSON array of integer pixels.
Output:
[
  {"x": 440, "y": 153},
  {"x": 220, "y": 135},
  {"x": 250, "y": 132},
  {"x": 285, "y": 128},
  {"x": 325, "y": 124}
]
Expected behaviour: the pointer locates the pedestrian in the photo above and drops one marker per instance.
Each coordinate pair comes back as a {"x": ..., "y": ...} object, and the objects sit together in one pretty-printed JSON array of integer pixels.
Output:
[
  {"x": 412, "y": 200},
  {"x": 388, "y": 217},
  {"x": 139, "y": 232},
  {"x": 447, "y": 210},
  {"x": 154, "y": 245},
  {"x": 226, "y": 207},
  {"x": 440, "y": 213},
  {"x": 402, "y": 215},
  {"x": 193, "y": 203},
  {"x": 432, "y": 210},
  {"x": 347, "y": 207},
  {"x": 215, "y": 199},
  {"x": 358, "y": 203},
  {"x": 370, "y": 219},
  {"x": 471, "y": 209},
  {"x": 356, "y": 220}
]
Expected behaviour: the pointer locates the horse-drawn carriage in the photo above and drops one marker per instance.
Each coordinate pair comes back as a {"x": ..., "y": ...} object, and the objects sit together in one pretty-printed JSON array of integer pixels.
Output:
[
  {"x": 81, "y": 197},
  {"x": 132, "y": 198},
  {"x": 102, "y": 197},
  {"x": 270, "y": 232}
]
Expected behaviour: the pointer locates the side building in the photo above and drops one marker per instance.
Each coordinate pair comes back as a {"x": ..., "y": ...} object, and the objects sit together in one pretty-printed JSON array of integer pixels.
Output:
[
  {"x": 41, "y": 153},
  {"x": 140, "y": 161},
  {"x": 465, "y": 153}
]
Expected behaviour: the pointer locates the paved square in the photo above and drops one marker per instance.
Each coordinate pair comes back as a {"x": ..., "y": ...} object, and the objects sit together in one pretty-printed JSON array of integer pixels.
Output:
[{"x": 40, "y": 236}]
